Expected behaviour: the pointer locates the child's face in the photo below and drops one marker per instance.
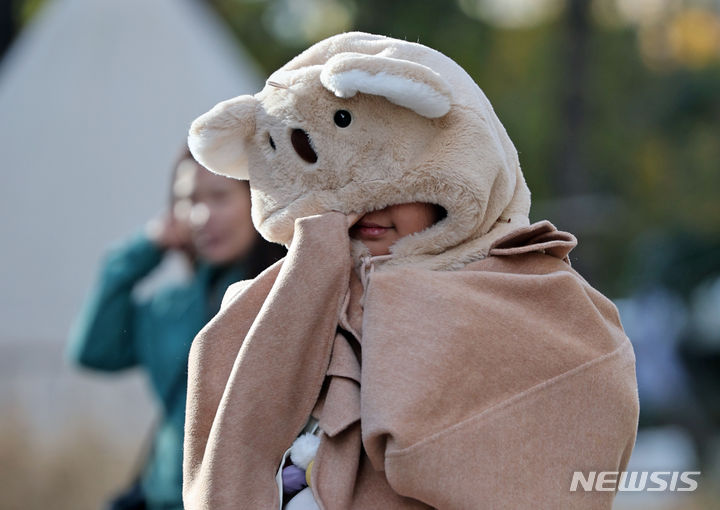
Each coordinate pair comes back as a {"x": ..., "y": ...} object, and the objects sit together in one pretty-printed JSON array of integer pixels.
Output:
[{"x": 378, "y": 230}]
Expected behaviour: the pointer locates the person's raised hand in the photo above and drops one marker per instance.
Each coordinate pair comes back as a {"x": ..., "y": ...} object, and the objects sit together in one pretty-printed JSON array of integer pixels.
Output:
[{"x": 169, "y": 232}]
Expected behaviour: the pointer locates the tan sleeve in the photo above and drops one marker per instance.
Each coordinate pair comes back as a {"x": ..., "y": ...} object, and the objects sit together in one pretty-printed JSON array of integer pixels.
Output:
[
  {"x": 212, "y": 357},
  {"x": 233, "y": 291},
  {"x": 256, "y": 369}
]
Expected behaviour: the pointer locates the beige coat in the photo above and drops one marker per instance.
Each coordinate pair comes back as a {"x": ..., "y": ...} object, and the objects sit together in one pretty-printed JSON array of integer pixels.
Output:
[{"x": 485, "y": 387}]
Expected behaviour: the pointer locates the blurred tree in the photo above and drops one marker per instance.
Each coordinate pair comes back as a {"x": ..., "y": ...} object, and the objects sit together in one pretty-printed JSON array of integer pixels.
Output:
[
  {"x": 8, "y": 25},
  {"x": 570, "y": 177},
  {"x": 14, "y": 14}
]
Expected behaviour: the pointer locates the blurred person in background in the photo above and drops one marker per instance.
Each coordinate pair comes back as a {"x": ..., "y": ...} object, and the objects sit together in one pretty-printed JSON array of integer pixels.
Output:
[{"x": 209, "y": 222}]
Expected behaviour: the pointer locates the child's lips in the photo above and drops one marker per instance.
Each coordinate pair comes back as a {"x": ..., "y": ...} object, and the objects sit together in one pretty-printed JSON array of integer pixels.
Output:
[{"x": 367, "y": 230}]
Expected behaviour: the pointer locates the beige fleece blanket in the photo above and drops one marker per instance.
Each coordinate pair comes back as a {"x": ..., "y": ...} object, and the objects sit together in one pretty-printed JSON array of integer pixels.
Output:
[{"x": 485, "y": 387}]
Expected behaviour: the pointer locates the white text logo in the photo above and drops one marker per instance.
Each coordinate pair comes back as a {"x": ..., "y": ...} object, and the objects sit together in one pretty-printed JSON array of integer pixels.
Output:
[{"x": 635, "y": 481}]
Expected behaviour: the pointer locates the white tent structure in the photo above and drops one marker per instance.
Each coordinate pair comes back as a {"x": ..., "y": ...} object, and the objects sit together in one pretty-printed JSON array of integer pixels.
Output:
[{"x": 96, "y": 97}]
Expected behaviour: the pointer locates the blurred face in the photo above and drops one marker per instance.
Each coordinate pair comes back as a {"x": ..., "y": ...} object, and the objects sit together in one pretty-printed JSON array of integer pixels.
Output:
[
  {"x": 378, "y": 230},
  {"x": 218, "y": 209}
]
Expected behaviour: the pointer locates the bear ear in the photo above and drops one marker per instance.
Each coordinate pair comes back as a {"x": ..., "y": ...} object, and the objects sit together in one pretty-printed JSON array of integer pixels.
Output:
[
  {"x": 402, "y": 82},
  {"x": 218, "y": 139}
]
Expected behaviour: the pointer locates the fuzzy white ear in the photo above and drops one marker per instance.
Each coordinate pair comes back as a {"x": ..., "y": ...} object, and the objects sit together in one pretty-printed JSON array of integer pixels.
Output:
[
  {"x": 218, "y": 138},
  {"x": 402, "y": 82}
]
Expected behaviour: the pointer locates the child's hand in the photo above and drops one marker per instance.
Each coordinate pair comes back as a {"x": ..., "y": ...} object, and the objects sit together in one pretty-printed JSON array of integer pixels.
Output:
[
  {"x": 321, "y": 223},
  {"x": 353, "y": 218}
]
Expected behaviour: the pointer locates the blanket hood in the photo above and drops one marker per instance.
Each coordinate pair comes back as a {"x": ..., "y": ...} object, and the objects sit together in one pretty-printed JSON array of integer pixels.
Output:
[{"x": 358, "y": 122}]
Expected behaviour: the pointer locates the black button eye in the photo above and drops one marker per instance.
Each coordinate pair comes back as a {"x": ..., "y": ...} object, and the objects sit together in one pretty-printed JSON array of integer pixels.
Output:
[{"x": 343, "y": 118}]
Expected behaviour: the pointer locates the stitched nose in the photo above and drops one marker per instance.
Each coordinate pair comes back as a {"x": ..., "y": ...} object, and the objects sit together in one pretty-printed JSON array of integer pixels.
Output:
[{"x": 303, "y": 146}]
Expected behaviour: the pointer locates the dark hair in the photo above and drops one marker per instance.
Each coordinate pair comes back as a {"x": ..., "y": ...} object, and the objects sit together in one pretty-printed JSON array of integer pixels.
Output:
[
  {"x": 182, "y": 156},
  {"x": 262, "y": 254}
]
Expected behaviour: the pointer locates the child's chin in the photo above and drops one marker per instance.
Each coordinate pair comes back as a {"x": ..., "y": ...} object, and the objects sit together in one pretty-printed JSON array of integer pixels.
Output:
[{"x": 376, "y": 248}]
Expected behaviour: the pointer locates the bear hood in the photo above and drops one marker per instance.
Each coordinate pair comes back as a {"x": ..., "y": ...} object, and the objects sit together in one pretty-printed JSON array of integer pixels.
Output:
[{"x": 358, "y": 122}]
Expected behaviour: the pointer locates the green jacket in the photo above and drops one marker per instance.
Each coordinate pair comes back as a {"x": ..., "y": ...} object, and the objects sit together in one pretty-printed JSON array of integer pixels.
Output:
[{"x": 114, "y": 332}]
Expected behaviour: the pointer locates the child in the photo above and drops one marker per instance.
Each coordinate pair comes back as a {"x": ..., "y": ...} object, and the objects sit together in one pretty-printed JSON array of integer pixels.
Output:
[{"x": 441, "y": 348}]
